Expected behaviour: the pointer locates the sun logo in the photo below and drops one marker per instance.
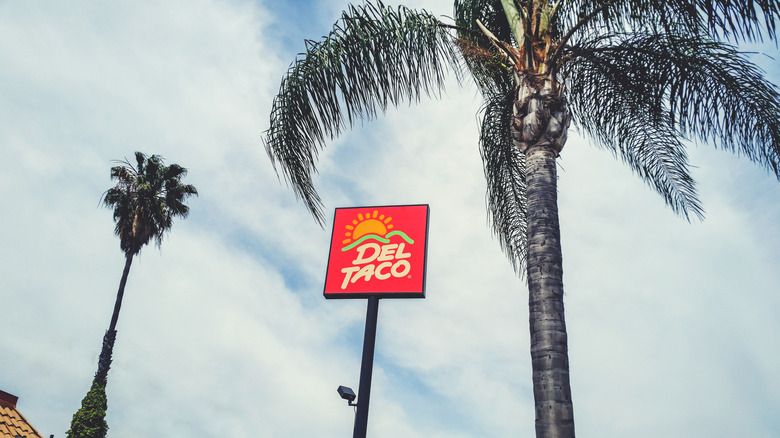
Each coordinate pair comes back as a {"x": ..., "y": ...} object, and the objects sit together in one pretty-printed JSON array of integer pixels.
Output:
[
  {"x": 374, "y": 223},
  {"x": 374, "y": 226}
]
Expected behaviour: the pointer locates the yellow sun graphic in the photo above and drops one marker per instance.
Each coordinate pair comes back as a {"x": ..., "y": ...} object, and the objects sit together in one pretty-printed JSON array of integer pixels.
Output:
[{"x": 373, "y": 223}]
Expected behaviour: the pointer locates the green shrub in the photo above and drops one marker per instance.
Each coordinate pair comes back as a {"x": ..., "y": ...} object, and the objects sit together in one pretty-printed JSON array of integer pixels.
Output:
[{"x": 90, "y": 420}]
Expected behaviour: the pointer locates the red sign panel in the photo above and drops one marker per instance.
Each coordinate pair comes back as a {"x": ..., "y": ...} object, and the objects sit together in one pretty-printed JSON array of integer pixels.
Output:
[{"x": 378, "y": 251}]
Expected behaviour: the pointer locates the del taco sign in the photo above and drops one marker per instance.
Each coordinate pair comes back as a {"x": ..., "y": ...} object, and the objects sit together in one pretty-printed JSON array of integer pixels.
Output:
[{"x": 378, "y": 251}]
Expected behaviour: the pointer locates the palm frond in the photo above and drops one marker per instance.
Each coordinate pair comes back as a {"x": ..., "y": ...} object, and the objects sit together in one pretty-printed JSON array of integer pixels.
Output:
[
  {"x": 488, "y": 67},
  {"x": 703, "y": 88},
  {"x": 742, "y": 19},
  {"x": 504, "y": 167},
  {"x": 489, "y": 12},
  {"x": 716, "y": 92},
  {"x": 625, "y": 109},
  {"x": 374, "y": 57},
  {"x": 145, "y": 200},
  {"x": 654, "y": 152}
]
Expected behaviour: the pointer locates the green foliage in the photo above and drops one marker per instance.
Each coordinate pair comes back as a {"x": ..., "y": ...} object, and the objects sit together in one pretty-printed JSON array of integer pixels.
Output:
[
  {"x": 90, "y": 420},
  {"x": 145, "y": 200},
  {"x": 667, "y": 88},
  {"x": 504, "y": 167},
  {"x": 490, "y": 70},
  {"x": 642, "y": 78},
  {"x": 375, "y": 56}
]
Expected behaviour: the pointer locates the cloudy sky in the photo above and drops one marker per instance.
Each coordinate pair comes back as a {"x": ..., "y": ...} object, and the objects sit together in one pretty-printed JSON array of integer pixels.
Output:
[{"x": 224, "y": 331}]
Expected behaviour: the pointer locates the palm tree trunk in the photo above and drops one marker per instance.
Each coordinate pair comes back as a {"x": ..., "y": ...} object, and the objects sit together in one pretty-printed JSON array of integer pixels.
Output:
[
  {"x": 90, "y": 419},
  {"x": 540, "y": 123},
  {"x": 104, "y": 361},
  {"x": 121, "y": 292},
  {"x": 549, "y": 348}
]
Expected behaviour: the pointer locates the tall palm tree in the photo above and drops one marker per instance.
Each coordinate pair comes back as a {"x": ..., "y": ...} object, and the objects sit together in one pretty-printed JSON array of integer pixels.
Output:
[
  {"x": 640, "y": 77},
  {"x": 145, "y": 200}
]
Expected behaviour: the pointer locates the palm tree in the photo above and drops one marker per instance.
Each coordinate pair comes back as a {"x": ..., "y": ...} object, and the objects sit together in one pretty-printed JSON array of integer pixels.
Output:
[
  {"x": 145, "y": 200},
  {"x": 640, "y": 77}
]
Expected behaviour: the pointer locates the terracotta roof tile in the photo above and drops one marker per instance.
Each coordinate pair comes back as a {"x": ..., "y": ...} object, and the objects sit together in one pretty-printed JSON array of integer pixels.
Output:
[{"x": 12, "y": 422}]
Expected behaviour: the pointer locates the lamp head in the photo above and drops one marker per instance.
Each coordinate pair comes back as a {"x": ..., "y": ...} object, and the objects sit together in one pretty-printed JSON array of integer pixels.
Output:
[{"x": 347, "y": 393}]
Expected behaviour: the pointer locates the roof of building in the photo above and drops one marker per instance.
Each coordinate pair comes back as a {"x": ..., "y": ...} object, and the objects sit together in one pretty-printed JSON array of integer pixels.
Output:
[{"x": 12, "y": 422}]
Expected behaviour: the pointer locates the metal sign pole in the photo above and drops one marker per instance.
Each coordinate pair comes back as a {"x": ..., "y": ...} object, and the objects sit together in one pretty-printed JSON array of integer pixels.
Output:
[{"x": 366, "y": 368}]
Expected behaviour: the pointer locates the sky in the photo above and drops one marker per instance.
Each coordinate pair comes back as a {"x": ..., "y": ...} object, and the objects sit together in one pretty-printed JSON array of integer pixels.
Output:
[{"x": 224, "y": 330}]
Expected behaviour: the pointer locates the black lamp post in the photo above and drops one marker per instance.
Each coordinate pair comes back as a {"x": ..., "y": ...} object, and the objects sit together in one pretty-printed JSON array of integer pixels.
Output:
[{"x": 366, "y": 371}]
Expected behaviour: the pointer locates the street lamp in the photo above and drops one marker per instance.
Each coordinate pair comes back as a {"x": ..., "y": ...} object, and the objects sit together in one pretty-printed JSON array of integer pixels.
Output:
[{"x": 347, "y": 394}]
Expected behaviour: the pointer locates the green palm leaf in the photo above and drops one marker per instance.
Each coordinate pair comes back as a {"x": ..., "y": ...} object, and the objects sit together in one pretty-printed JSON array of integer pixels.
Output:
[
  {"x": 624, "y": 111},
  {"x": 504, "y": 167},
  {"x": 630, "y": 90},
  {"x": 146, "y": 198},
  {"x": 374, "y": 57},
  {"x": 746, "y": 20},
  {"x": 488, "y": 67}
]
